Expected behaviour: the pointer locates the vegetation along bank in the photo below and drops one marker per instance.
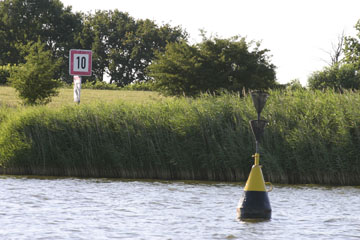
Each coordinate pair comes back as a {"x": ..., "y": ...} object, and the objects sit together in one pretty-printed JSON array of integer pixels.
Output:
[{"x": 312, "y": 137}]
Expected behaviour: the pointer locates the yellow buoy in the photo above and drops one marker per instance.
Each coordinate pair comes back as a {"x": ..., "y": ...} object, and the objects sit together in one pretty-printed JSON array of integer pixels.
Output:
[{"x": 255, "y": 203}]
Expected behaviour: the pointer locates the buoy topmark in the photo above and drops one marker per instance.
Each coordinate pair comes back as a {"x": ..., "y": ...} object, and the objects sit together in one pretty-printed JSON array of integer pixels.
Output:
[{"x": 255, "y": 203}]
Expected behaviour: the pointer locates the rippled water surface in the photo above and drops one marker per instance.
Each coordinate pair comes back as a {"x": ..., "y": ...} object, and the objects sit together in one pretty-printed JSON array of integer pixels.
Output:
[{"x": 69, "y": 208}]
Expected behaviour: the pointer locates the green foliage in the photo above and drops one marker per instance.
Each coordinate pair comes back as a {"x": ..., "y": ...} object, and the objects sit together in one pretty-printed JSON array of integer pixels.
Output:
[
  {"x": 100, "y": 85},
  {"x": 123, "y": 46},
  {"x": 294, "y": 85},
  {"x": 352, "y": 48},
  {"x": 127, "y": 140},
  {"x": 5, "y": 73},
  {"x": 48, "y": 20},
  {"x": 312, "y": 137},
  {"x": 140, "y": 86},
  {"x": 177, "y": 71},
  {"x": 212, "y": 65},
  {"x": 338, "y": 76},
  {"x": 33, "y": 80}
]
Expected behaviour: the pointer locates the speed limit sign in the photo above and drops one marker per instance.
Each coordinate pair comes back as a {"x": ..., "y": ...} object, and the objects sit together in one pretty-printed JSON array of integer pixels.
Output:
[{"x": 80, "y": 62}]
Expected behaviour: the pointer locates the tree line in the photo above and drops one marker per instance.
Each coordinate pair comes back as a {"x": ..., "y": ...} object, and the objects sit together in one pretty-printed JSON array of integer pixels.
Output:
[
  {"x": 122, "y": 46},
  {"x": 130, "y": 50},
  {"x": 136, "y": 50}
]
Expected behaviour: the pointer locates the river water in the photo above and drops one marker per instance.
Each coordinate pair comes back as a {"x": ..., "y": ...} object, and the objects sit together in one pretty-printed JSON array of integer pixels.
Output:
[{"x": 72, "y": 208}]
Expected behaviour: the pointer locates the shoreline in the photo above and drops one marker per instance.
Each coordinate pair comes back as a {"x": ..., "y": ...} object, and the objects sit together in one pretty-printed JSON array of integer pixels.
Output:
[{"x": 236, "y": 176}]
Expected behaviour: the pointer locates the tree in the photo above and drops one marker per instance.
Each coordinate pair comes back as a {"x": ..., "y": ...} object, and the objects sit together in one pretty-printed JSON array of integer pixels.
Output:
[
  {"x": 33, "y": 80},
  {"x": 352, "y": 48},
  {"x": 177, "y": 70},
  {"x": 23, "y": 21},
  {"x": 5, "y": 73},
  {"x": 122, "y": 46},
  {"x": 95, "y": 36},
  {"x": 337, "y": 50},
  {"x": 212, "y": 65},
  {"x": 294, "y": 85},
  {"x": 337, "y": 77},
  {"x": 342, "y": 73}
]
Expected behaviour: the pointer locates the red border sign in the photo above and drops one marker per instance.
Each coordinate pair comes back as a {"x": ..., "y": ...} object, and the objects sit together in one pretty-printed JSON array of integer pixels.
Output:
[{"x": 80, "y": 62}]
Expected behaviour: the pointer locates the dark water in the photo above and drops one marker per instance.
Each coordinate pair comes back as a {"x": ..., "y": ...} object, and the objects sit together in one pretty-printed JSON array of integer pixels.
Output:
[{"x": 68, "y": 208}]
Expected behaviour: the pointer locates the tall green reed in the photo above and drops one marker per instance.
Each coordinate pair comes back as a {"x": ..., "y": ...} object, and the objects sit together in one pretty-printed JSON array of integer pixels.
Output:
[
  {"x": 312, "y": 137},
  {"x": 181, "y": 138}
]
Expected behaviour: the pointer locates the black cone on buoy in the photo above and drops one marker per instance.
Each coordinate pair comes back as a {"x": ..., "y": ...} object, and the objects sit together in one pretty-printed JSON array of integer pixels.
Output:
[
  {"x": 258, "y": 127},
  {"x": 259, "y": 99}
]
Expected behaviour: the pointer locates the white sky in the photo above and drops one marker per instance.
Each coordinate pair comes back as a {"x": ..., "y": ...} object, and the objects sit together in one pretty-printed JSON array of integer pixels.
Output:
[{"x": 298, "y": 33}]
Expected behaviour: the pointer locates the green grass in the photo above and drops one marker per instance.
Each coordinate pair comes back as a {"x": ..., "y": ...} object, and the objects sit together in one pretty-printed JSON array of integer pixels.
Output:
[
  {"x": 9, "y": 97},
  {"x": 312, "y": 137}
]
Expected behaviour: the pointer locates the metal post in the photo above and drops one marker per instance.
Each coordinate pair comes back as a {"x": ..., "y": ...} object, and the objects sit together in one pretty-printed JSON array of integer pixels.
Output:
[{"x": 77, "y": 88}]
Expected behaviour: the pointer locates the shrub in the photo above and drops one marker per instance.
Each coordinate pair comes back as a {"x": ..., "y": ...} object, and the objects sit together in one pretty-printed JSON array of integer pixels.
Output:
[
  {"x": 5, "y": 73},
  {"x": 33, "y": 80},
  {"x": 99, "y": 85},
  {"x": 336, "y": 77},
  {"x": 212, "y": 65}
]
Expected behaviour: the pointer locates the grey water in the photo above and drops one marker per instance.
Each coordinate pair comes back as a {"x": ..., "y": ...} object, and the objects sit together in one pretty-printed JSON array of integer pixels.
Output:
[{"x": 73, "y": 208}]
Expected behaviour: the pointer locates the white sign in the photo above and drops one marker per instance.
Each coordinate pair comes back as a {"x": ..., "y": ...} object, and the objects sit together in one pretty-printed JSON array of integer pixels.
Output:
[
  {"x": 77, "y": 88},
  {"x": 80, "y": 62}
]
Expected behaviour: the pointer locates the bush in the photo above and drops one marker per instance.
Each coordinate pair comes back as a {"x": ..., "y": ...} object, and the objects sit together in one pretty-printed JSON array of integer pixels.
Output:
[
  {"x": 294, "y": 85},
  {"x": 99, "y": 85},
  {"x": 33, "y": 80},
  {"x": 212, "y": 65},
  {"x": 5, "y": 73},
  {"x": 336, "y": 77}
]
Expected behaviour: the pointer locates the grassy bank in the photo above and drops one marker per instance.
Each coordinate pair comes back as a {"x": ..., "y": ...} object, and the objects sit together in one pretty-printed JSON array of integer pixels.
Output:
[
  {"x": 312, "y": 137},
  {"x": 8, "y": 97}
]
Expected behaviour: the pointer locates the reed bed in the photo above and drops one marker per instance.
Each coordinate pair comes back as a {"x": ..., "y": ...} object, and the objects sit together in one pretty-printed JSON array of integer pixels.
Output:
[{"x": 312, "y": 137}]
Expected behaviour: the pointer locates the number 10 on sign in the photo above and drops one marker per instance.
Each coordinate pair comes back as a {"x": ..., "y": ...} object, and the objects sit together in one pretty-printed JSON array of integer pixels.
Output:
[{"x": 80, "y": 62}]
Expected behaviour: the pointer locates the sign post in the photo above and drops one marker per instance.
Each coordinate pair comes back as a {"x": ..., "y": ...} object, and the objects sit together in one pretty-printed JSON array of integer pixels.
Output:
[
  {"x": 80, "y": 64},
  {"x": 77, "y": 88}
]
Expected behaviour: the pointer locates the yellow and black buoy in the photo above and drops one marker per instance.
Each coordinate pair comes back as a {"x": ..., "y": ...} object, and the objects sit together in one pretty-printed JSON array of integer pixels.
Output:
[{"x": 255, "y": 203}]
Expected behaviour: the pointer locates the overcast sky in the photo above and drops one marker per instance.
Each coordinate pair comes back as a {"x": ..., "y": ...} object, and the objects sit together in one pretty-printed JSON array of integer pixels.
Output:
[{"x": 299, "y": 34}]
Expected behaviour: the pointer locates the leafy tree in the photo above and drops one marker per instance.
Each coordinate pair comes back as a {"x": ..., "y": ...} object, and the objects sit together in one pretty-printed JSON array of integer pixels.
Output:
[
  {"x": 23, "y": 21},
  {"x": 177, "y": 71},
  {"x": 212, "y": 65},
  {"x": 95, "y": 36},
  {"x": 5, "y": 73},
  {"x": 342, "y": 72},
  {"x": 338, "y": 77},
  {"x": 294, "y": 85},
  {"x": 33, "y": 80},
  {"x": 122, "y": 46},
  {"x": 352, "y": 48}
]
